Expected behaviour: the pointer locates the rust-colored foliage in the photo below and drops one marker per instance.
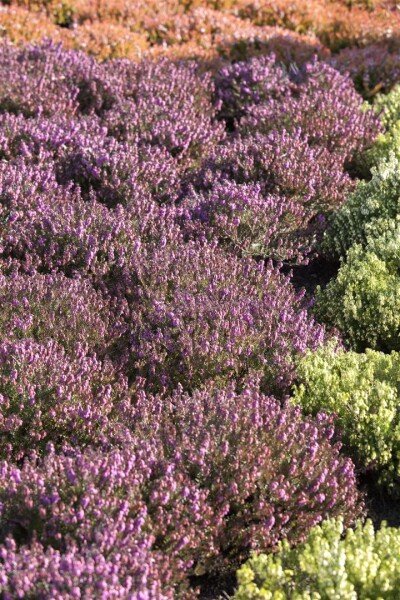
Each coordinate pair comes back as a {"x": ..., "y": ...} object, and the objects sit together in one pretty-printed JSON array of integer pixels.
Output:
[{"x": 214, "y": 30}]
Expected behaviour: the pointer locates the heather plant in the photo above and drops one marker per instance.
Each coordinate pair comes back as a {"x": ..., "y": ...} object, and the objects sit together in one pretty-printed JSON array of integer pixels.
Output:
[
  {"x": 48, "y": 573},
  {"x": 332, "y": 563},
  {"x": 249, "y": 41},
  {"x": 336, "y": 24},
  {"x": 385, "y": 145},
  {"x": 283, "y": 164},
  {"x": 324, "y": 105},
  {"x": 47, "y": 396},
  {"x": 107, "y": 40},
  {"x": 200, "y": 315},
  {"x": 252, "y": 223},
  {"x": 21, "y": 26},
  {"x": 367, "y": 286},
  {"x": 373, "y": 68},
  {"x": 80, "y": 152},
  {"x": 372, "y": 200},
  {"x": 266, "y": 468},
  {"x": 363, "y": 391},
  {"x": 167, "y": 105},
  {"x": 23, "y": 184},
  {"x": 243, "y": 84},
  {"x": 195, "y": 313},
  {"x": 170, "y": 25},
  {"x": 92, "y": 512},
  {"x": 49, "y": 227},
  {"x": 18, "y": 66},
  {"x": 70, "y": 235},
  {"x": 46, "y": 79},
  {"x": 388, "y": 107},
  {"x": 208, "y": 35},
  {"x": 363, "y": 300},
  {"x": 204, "y": 479},
  {"x": 120, "y": 173},
  {"x": 55, "y": 307}
]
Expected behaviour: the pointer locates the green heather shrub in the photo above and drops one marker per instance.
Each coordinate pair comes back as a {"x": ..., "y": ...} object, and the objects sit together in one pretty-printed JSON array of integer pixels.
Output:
[
  {"x": 383, "y": 238},
  {"x": 364, "y": 565},
  {"x": 384, "y": 145},
  {"x": 363, "y": 302},
  {"x": 388, "y": 106},
  {"x": 378, "y": 198},
  {"x": 363, "y": 390}
]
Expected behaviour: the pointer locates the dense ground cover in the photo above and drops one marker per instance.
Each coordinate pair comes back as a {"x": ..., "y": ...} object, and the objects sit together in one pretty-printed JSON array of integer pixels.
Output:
[{"x": 172, "y": 403}]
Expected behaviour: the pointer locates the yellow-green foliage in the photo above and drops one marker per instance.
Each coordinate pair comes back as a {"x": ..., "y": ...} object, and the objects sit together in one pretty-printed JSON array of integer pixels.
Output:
[
  {"x": 364, "y": 565},
  {"x": 363, "y": 302},
  {"x": 388, "y": 106},
  {"x": 378, "y": 198},
  {"x": 372, "y": 200},
  {"x": 384, "y": 145},
  {"x": 363, "y": 390},
  {"x": 383, "y": 238}
]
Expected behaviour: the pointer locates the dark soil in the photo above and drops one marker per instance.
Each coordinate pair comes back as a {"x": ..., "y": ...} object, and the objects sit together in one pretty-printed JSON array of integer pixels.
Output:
[
  {"x": 380, "y": 505},
  {"x": 212, "y": 588},
  {"x": 319, "y": 271}
]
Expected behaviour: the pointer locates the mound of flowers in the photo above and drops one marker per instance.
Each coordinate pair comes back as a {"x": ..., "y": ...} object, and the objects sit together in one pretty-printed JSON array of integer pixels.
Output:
[{"x": 151, "y": 331}]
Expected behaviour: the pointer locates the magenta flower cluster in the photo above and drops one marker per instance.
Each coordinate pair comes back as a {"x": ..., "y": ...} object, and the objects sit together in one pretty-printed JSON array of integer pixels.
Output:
[
  {"x": 306, "y": 181},
  {"x": 262, "y": 96},
  {"x": 148, "y": 337},
  {"x": 200, "y": 481}
]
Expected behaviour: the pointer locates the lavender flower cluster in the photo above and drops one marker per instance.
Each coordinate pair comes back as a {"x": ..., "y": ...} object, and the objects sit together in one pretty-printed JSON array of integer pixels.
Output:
[
  {"x": 204, "y": 479},
  {"x": 145, "y": 355}
]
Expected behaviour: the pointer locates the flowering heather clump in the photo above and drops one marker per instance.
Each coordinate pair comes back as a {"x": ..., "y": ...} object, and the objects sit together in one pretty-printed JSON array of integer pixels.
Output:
[
  {"x": 203, "y": 480},
  {"x": 54, "y": 307},
  {"x": 22, "y": 185},
  {"x": 80, "y": 152},
  {"x": 252, "y": 222},
  {"x": 269, "y": 472},
  {"x": 46, "y": 79},
  {"x": 49, "y": 574},
  {"x": 196, "y": 314},
  {"x": 47, "y": 396},
  {"x": 49, "y": 227},
  {"x": 57, "y": 232},
  {"x": 199, "y": 315},
  {"x": 166, "y": 105},
  {"x": 372, "y": 68},
  {"x": 92, "y": 513},
  {"x": 316, "y": 99},
  {"x": 247, "y": 83},
  {"x": 284, "y": 164},
  {"x": 294, "y": 186}
]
